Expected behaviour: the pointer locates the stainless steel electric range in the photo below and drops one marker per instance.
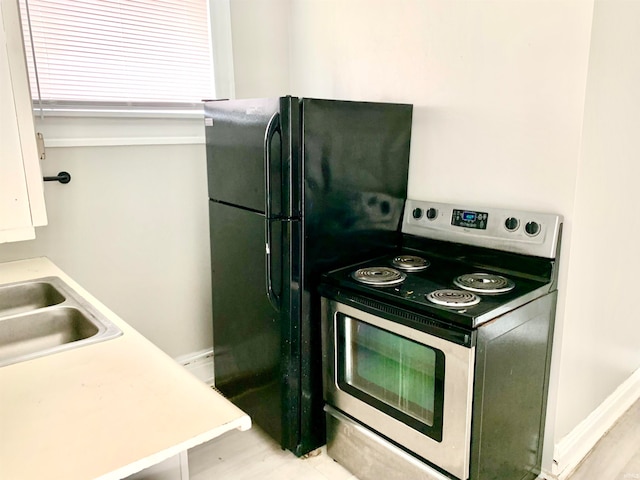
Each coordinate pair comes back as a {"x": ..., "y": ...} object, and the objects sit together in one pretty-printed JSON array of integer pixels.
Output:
[{"x": 436, "y": 356}]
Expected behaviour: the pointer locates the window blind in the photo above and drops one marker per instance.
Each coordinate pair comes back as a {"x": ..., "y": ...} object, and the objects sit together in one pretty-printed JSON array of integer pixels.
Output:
[{"x": 118, "y": 51}]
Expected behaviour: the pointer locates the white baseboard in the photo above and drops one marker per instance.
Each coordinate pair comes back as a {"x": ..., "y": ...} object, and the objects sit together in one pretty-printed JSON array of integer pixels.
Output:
[
  {"x": 200, "y": 364},
  {"x": 571, "y": 449}
]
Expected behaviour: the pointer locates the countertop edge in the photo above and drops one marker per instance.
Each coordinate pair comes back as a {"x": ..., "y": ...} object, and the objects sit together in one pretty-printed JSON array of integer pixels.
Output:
[
  {"x": 241, "y": 424},
  {"x": 196, "y": 408}
]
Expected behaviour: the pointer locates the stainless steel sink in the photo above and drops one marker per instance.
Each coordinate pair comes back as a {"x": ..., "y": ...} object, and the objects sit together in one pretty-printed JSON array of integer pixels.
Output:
[
  {"x": 46, "y": 316},
  {"x": 24, "y": 297}
]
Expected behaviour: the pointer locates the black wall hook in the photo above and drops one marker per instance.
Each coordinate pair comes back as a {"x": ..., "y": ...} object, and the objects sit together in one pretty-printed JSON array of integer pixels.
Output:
[{"x": 62, "y": 177}]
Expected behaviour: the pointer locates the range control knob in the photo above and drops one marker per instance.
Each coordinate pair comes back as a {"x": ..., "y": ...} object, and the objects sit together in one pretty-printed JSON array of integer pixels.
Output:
[
  {"x": 432, "y": 213},
  {"x": 511, "y": 224},
  {"x": 417, "y": 213},
  {"x": 532, "y": 228}
]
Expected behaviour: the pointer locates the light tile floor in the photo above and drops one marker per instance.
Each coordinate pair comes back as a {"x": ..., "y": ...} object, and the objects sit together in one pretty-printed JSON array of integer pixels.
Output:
[
  {"x": 617, "y": 455},
  {"x": 252, "y": 455}
]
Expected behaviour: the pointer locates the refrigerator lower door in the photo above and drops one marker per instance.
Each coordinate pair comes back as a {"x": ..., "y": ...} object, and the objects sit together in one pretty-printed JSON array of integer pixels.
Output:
[{"x": 248, "y": 328}]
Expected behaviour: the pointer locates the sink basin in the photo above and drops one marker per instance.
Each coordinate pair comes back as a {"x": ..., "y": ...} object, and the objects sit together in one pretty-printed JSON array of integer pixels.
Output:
[
  {"x": 24, "y": 297},
  {"x": 46, "y": 316}
]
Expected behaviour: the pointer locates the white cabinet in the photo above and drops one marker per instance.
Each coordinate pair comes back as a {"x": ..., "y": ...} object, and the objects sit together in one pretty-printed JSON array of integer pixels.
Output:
[{"x": 21, "y": 189}]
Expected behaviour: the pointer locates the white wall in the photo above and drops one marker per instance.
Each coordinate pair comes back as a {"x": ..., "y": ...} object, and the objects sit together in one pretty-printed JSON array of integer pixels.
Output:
[
  {"x": 601, "y": 325},
  {"x": 498, "y": 88},
  {"x": 132, "y": 226},
  {"x": 260, "y": 36}
]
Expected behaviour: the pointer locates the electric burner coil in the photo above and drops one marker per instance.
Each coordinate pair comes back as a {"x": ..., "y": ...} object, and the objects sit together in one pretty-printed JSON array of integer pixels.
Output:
[
  {"x": 453, "y": 298},
  {"x": 484, "y": 283},
  {"x": 410, "y": 263},
  {"x": 379, "y": 276}
]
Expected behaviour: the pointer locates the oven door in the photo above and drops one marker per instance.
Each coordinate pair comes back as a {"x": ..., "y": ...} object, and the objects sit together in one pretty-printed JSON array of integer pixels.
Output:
[{"x": 409, "y": 386}]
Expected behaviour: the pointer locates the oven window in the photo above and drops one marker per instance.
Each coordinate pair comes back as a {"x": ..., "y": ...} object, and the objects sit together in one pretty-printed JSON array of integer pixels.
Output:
[{"x": 396, "y": 375}]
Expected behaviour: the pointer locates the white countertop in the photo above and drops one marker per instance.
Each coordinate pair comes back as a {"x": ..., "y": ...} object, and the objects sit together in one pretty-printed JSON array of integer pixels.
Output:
[{"x": 106, "y": 410}]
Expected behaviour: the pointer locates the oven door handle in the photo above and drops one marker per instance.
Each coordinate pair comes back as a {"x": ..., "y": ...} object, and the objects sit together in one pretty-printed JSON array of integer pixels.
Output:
[{"x": 273, "y": 127}]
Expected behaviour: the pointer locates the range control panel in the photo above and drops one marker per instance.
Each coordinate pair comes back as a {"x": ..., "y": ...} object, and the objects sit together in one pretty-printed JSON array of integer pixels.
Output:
[{"x": 530, "y": 233}]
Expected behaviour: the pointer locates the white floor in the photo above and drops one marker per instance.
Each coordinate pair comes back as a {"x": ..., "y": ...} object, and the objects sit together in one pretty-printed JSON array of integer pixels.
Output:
[
  {"x": 617, "y": 455},
  {"x": 252, "y": 455}
]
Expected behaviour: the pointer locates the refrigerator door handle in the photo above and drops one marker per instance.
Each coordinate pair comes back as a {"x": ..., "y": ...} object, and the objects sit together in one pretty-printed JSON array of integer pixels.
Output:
[{"x": 272, "y": 128}]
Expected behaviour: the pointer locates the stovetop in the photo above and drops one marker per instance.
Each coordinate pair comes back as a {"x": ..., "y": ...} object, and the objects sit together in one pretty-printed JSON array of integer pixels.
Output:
[
  {"x": 441, "y": 274},
  {"x": 520, "y": 247}
]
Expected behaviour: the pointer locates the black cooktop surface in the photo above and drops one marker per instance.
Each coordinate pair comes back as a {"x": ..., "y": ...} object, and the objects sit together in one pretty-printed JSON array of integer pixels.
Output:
[{"x": 413, "y": 292}]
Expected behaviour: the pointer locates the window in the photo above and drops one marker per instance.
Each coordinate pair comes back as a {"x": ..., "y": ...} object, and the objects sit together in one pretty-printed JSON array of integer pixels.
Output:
[{"x": 100, "y": 54}]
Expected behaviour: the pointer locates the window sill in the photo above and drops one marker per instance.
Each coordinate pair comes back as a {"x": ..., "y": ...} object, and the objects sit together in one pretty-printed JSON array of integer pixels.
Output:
[
  {"x": 109, "y": 131},
  {"x": 97, "y": 111}
]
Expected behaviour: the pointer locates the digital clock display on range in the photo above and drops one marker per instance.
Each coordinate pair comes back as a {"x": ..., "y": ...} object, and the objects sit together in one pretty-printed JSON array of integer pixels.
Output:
[{"x": 469, "y": 219}]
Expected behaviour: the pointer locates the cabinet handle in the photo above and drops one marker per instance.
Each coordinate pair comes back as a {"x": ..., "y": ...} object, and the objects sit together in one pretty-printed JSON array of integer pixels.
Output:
[{"x": 62, "y": 177}]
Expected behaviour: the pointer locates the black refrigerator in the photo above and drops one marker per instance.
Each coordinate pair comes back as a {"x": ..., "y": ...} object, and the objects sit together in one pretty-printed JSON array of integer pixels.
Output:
[{"x": 297, "y": 186}]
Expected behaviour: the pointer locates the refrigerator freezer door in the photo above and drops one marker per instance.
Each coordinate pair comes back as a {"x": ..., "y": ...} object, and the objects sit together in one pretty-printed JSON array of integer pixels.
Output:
[{"x": 237, "y": 133}]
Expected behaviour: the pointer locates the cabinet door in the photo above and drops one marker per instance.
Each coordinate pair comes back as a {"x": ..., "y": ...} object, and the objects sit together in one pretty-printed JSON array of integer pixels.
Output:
[{"x": 21, "y": 192}]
